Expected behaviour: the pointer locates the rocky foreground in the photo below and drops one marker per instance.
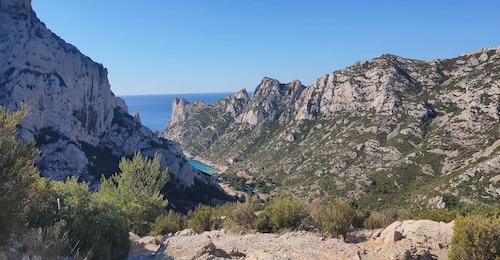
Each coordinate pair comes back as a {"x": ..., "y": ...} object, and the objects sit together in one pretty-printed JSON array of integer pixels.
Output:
[{"x": 410, "y": 239}]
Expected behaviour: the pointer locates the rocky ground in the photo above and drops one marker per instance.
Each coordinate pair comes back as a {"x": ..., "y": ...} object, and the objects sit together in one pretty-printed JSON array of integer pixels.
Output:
[{"x": 410, "y": 239}]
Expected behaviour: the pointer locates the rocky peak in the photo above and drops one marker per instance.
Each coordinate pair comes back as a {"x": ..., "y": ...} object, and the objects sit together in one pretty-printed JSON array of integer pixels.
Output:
[
  {"x": 181, "y": 109},
  {"x": 212, "y": 119},
  {"x": 270, "y": 101},
  {"x": 242, "y": 94},
  {"x": 235, "y": 104},
  {"x": 484, "y": 52}
]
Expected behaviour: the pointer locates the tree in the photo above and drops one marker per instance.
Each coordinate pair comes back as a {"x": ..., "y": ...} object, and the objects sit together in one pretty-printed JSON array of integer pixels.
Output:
[
  {"x": 17, "y": 172},
  {"x": 137, "y": 191}
]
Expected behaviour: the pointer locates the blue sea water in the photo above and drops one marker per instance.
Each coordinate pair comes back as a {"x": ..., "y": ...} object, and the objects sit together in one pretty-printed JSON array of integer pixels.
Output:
[
  {"x": 202, "y": 167},
  {"x": 156, "y": 110}
]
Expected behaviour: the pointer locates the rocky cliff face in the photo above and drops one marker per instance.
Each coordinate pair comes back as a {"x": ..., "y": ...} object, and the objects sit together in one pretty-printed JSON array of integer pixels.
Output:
[
  {"x": 388, "y": 130},
  {"x": 200, "y": 124},
  {"x": 79, "y": 125},
  {"x": 270, "y": 102}
]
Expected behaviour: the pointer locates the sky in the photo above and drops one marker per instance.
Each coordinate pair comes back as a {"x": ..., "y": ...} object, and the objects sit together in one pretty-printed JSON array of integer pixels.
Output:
[{"x": 204, "y": 46}]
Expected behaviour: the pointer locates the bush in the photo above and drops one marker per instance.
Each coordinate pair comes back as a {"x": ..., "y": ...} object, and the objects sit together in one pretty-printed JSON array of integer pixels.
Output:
[
  {"x": 17, "y": 173},
  {"x": 137, "y": 191},
  {"x": 480, "y": 209},
  {"x": 282, "y": 213},
  {"x": 170, "y": 223},
  {"x": 204, "y": 218},
  {"x": 244, "y": 213},
  {"x": 336, "y": 219},
  {"x": 262, "y": 222},
  {"x": 94, "y": 225},
  {"x": 375, "y": 220},
  {"x": 41, "y": 208},
  {"x": 476, "y": 237},
  {"x": 438, "y": 215}
]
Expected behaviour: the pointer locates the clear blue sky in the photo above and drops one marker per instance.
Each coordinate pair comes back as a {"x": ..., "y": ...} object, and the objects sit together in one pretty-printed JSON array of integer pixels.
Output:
[{"x": 186, "y": 46}]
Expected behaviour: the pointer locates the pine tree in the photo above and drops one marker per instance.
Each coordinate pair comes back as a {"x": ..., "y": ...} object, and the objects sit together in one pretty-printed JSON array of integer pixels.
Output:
[{"x": 137, "y": 190}]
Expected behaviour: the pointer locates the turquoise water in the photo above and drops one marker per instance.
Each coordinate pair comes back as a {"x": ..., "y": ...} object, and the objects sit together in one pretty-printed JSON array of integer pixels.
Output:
[
  {"x": 202, "y": 167},
  {"x": 156, "y": 110}
]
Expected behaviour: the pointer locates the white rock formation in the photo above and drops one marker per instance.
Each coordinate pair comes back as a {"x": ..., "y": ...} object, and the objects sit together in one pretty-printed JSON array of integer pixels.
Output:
[{"x": 271, "y": 101}]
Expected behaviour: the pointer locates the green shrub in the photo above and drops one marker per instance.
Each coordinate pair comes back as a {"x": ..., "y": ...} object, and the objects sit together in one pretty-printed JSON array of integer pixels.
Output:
[
  {"x": 262, "y": 222},
  {"x": 96, "y": 226},
  {"x": 203, "y": 218},
  {"x": 480, "y": 209},
  {"x": 244, "y": 213},
  {"x": 17, "y": 173},
  {"x": 41, "y": 209},
  {"x": 137, "y": 191},
  {"x": 375, "y": 220},
  {"x": 476, "y": 237},
  {"x": 285, "y": 212},
  {"x": 442, "y": 215},
  {"x": 170, "y": 223},
  {"x": 336, "y": 219}
]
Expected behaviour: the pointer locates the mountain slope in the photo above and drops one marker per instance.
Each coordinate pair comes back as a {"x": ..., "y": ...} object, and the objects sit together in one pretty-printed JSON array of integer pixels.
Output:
[
  {"x": 78, "y": 124},
  {"x": 389, "y": 130}
]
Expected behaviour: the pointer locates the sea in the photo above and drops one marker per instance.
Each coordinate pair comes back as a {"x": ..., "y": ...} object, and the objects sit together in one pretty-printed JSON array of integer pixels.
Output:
[{"x": 155, "y": 111}]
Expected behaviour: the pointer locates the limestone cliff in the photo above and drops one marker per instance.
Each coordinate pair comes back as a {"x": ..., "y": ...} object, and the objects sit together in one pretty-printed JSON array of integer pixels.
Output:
[
  {"x": 270, "y": 102},
  {"x": 78, "y": 124},
  {"x": 200, "y": 124},
  {"x": 384, "y": 131}
]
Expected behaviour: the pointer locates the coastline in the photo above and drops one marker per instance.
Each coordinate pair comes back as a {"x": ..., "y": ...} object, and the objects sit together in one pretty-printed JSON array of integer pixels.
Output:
[{"x": 218, "y": 167}]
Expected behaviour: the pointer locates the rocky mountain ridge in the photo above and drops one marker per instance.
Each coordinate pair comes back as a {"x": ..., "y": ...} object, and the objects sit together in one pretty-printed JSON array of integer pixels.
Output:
[
  {"x": 379, "y": 132},
  {"x": 78, "y": 124}
]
